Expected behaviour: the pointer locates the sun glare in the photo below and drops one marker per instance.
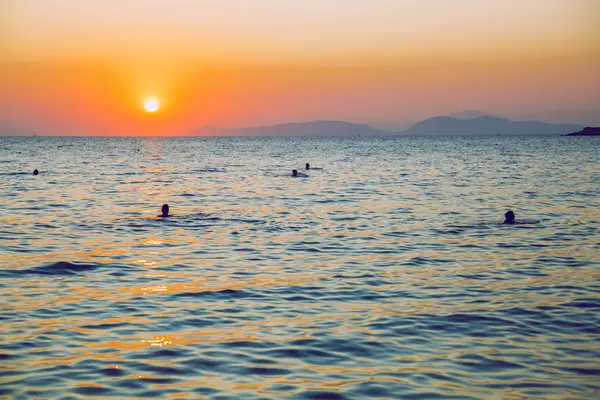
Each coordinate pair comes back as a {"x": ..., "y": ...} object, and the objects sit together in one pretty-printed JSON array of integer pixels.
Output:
[{"x": 151, "y": 104}]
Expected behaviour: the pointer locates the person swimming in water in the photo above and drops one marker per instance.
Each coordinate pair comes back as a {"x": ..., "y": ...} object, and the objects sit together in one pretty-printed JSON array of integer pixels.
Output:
[
  {"x": 307, "y": 166},
  {"x": 35, "y": 172},
  {"x": 509, "y": 218},
  {"x": 165, "y": 210},
  {"x": 294, "y": 172}
]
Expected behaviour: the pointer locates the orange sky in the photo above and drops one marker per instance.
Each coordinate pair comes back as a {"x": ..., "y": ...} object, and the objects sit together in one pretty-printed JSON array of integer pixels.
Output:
[{"x": 79, "y": 67}]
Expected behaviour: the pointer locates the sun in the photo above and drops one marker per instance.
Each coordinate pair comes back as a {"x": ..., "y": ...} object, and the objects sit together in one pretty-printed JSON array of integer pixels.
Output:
[{"x": 151, "y": 104}]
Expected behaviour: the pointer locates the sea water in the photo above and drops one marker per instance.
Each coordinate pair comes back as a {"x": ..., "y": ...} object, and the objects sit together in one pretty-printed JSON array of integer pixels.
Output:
[{"x": 385, "y": 273}]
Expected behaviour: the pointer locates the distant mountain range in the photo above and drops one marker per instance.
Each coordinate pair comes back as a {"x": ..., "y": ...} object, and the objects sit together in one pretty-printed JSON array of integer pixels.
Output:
[
  {"x": 315, "y": 128},
  {"x": 484, "y": 125},
  {"x": 487, "y": 125},
  {"x": 470, "y": 114}
]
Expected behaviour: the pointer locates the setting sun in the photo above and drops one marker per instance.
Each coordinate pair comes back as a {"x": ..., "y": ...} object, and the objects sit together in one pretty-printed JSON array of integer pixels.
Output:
[{"x": 151, "y": 104}]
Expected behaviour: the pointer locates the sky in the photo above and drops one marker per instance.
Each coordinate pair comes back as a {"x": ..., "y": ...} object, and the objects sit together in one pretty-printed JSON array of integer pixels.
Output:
[{"x": 72, "y": 67}]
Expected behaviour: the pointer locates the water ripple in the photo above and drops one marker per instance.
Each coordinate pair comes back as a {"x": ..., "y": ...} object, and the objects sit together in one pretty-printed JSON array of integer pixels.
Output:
[{"x": 387, "y": 274}]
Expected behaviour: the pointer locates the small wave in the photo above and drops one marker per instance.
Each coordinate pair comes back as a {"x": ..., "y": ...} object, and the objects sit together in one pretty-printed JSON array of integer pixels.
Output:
[
  {"x": 161, "y": 181},
  {"x": 287, "y": 174},
  {"x": 341, "y": 219},
  {"x": 159, "y": 218},
  {"x": 491, "y": 224},
  {"x": 245, "y": 221},
  {"x": 119, "y": 173},
  {"x": 64, "y": 268},
  {"x": 60, "y": 268},
  {"x": 527, "y": 222},
  {"x": 185, "y": 220},
  {"x": 219, "y": 295},
  {"x": 209, "y": 170},
  {"x": 198, "y": 217},
  {"x": 482, "y": 225},
  {"x": 14, "y": 173}
]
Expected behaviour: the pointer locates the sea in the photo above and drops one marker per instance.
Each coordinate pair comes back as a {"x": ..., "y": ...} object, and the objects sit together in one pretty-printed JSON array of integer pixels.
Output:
[{"x": 383, "y": 272}]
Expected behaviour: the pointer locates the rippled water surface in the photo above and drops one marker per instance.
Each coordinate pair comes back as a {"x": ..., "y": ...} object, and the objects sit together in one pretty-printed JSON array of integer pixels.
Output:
[{"x": 384, "y": 274}]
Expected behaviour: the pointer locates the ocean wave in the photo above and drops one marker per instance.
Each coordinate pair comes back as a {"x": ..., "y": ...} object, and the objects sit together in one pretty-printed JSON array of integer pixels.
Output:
[
  {"x": 15, "y": 173},
  {"x": 62, "y": 268}
]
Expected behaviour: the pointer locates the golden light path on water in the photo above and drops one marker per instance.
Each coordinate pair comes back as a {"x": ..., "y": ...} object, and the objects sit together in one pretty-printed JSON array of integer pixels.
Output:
[{"x": 385, "y": 274}]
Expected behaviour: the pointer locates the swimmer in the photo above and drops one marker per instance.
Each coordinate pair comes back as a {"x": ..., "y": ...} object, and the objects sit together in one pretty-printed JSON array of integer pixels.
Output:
[
  {"x": 510, "y": 218},
  {"x": 294, "y": 172},
  {"x": 165, "y": 210},
  {"x": 35, "y": 172},
  {"x": 307, "y": 166}
]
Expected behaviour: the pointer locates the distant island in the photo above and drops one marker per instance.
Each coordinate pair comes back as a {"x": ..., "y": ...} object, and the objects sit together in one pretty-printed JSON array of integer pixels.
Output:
[
  {"x": 487, "y": 125},
  {"x": 441, "y": 125},
  {"x": 313, "y": 128},
  {"x": 587, "y": 131}
]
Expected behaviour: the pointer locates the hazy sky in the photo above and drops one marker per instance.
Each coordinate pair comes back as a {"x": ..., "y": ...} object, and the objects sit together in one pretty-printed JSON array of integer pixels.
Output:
[{"x": 85, "y": 67}]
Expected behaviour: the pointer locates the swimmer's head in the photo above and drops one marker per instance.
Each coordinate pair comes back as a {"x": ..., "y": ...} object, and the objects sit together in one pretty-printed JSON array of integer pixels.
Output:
[
  {"x": 165, "y": 210},
  {"x": 307, "y": 166},
  {"x": 294, "y": 172},
  {"x": 509, "y": 217},
  {"x": 35, "y": 172}
]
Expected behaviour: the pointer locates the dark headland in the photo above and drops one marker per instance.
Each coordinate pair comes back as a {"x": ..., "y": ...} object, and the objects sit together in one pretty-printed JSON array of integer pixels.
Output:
[{"x": 587, "y": 131}]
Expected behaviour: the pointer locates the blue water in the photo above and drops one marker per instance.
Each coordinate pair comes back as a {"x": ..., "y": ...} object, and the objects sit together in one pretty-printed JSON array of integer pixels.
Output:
[{"x": 385, "y": 274}]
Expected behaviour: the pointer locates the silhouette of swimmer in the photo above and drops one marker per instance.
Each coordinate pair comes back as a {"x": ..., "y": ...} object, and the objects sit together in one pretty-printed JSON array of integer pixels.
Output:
[
  {"x": 509, "y": 218},
  {"x": 307, "y": 166},
  {"x": 35, "y": 172},
  {"x": 165, "y": 210},
  {"x": 294, "y": 172}
]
